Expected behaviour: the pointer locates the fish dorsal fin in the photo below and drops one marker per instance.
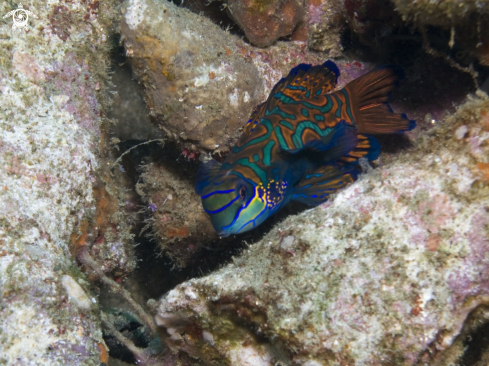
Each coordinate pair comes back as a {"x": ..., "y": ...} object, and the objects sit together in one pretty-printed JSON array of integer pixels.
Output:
[
  {"x": 304, "y": 82},
  {"x": 205, "y": 173}
]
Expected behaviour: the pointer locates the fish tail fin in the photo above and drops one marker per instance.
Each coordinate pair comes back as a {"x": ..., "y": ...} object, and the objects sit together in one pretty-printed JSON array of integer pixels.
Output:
[{"x": 369, "y": 96}]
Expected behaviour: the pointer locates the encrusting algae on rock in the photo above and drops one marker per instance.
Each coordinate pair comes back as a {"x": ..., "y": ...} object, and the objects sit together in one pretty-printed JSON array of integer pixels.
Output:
[{"x": 176, "y": 220}]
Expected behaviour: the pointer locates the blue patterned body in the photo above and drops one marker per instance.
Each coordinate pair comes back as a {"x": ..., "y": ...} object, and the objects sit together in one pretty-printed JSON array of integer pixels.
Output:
[{"x": 304, "y": 143}]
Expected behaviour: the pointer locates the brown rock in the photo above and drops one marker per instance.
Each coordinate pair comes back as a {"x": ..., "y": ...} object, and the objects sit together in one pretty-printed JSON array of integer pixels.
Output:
[
  {"x": 178, "y": 222},
  {"x": 199, "y": 89},
  {"x": 326, "y": 22},
  {"x": 265, "y": 21}
]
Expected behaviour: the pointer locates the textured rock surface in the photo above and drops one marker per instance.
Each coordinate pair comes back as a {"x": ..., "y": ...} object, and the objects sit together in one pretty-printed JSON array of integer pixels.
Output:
[
  {"x": 178, "y": 222},
  {"x": 386, "y": 273},
  {"x": 465, "y": 20},
  {"x": 196, "y": 87},
  {"x": 327, "y": 20},
  {"x": 53, "y": 196},
  {"x": 441, "y": 12},
  {"x": 200, "y": 83},
  {"x": 266, "y": 21}
]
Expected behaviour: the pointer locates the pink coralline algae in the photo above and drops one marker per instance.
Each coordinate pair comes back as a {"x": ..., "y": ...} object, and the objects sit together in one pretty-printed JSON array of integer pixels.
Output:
[
  {"x": 27, "y": 65},
  {"x": 72, "y": 77},
  {"x": 60, "y": 21}
]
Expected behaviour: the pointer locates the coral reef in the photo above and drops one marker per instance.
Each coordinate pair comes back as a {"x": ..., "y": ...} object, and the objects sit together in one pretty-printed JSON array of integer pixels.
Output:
[
  {"x": 191, "y": 87},
  {"x": 56, "y": 193},
  {"x": 386, "y": 273}
]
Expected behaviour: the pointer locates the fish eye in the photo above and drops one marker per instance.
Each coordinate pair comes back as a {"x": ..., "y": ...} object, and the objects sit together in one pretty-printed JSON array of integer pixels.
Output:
[{"x": 242, "y": 192}]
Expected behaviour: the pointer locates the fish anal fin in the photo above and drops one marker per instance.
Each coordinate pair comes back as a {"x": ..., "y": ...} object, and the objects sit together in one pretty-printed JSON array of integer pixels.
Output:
[
  {"x": 317, "y": 185},
  {"x": 367, "y": 147}
]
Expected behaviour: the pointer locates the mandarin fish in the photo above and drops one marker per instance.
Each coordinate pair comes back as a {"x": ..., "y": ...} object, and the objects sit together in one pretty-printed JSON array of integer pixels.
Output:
[{"x": 303, "y": 143}]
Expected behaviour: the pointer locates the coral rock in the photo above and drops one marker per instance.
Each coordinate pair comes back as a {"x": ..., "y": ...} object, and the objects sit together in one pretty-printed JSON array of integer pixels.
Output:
[
  {"x": 197, "y": 89},
  {"x": 327, "y": 20},
  {"x": 386, "y": 273},
  {"x": 440, "y": 12}
]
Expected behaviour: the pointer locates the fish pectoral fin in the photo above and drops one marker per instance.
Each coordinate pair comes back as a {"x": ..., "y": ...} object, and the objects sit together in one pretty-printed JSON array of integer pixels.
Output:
[
  {"x": 205, "y": 173},
  {"x": 317, "y": 185}
]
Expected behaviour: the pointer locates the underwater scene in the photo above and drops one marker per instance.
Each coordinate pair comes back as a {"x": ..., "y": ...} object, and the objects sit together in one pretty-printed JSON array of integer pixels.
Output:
[{"x": 244, "y": 182}]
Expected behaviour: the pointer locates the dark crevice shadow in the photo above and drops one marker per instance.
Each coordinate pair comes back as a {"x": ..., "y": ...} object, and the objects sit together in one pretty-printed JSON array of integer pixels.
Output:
[
  {"x": 476, "y": 344},
  {"x": 431, "y": 88},
  {"x": 392, "y": 144},
  {"x": 213, "y": 10},
  {"x": 128, "y": 106}
]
